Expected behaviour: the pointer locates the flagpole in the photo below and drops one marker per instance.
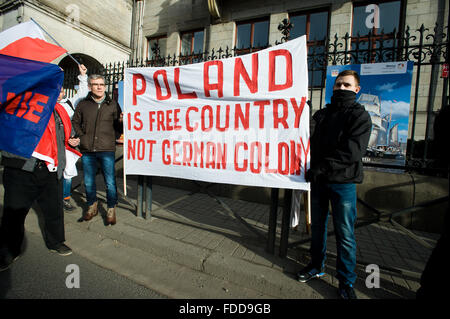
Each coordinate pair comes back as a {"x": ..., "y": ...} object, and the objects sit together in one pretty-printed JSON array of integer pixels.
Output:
[{"x": 55, "y": 41}]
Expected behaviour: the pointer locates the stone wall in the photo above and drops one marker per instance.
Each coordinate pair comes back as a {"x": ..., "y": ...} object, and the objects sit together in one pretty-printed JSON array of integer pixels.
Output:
[
  {"x": 170, "y": 18},
  {"x": 109, "y": 17}
]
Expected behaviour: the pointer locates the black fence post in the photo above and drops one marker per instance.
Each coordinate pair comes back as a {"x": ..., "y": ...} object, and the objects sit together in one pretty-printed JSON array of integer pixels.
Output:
[
  {"x": 272, "y": 231},
  {"x": 285, "y": 221},
  {"x": 416, "y": 91},
  {"x": 148, "y": 196},
  {"x": 140, "y": 196}
]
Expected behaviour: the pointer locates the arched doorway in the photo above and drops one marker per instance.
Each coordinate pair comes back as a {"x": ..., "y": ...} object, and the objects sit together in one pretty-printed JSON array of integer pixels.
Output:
[{"x": 71, "y": 70}]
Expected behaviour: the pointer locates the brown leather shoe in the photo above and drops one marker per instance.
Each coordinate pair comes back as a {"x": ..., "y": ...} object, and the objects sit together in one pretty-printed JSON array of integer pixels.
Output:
[
  {"x": 111, "y": 216},
  {"x": 92, "y": 212}
]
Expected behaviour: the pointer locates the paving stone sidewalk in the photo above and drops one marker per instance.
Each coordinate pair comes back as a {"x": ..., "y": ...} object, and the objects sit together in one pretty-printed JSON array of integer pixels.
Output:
[
  {"x": 206, "y": 233},
  {"x": 215, "y": 224}
]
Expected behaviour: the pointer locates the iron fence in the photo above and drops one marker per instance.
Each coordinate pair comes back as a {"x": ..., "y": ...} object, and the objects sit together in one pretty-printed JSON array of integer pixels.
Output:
[{"x": 427, "y": 48}]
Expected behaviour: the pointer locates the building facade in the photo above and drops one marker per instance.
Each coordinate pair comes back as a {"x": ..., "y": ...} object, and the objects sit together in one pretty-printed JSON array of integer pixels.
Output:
[{"x": 94, "y": 32}]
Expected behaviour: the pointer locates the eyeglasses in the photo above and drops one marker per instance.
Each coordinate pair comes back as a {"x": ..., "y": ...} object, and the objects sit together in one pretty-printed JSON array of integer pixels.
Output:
[{"x": 97, "y": 84}]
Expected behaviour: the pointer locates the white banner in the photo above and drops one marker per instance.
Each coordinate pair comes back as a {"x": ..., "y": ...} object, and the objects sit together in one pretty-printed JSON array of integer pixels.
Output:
[{"x": 241, "y": 120}]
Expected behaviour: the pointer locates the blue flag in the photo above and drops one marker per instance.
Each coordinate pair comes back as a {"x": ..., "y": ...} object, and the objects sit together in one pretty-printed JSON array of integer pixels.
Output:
[{"x": 28, "y": 93}]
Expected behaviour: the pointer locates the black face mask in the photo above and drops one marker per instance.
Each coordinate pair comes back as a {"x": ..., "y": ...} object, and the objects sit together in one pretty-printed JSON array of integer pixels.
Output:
[{"x": 343, "y": 98}]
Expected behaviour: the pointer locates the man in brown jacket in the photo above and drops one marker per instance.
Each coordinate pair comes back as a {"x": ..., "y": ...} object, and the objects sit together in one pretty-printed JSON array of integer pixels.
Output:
[{"x": 98, "y": 123}]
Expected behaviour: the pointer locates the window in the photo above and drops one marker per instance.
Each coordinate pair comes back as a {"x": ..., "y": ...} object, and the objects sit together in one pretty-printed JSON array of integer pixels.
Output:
[
  {"x": 192, "y": 42},
  {"x": 252, "y": 36},
  {"x": 314, "y": 25},
  {"x": 380, "y": 20},
  {"x": 191, "y": 46},
  {"x": 156, "y": 49},
  {"x": 376, "y": 17}
]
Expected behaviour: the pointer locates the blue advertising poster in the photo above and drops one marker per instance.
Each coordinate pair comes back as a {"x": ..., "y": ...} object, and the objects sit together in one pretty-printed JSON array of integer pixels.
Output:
[{"x": 385, "y": 93}]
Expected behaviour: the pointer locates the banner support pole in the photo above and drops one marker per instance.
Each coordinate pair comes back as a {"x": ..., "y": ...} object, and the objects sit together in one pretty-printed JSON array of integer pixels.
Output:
[
  {"x": 140, "y": 193},
  {"x": 307, "y": 203},
  {"x": 284, "y": 237},
  {"x": 271, "y": 233},
  {"x": 148, "y": 189}
]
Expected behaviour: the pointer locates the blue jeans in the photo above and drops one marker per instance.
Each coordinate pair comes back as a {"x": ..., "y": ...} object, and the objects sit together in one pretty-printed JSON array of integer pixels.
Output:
[
  {"x": 106, "y": 161},
  {"x": 67, "y": 188},
  {"x": 343, "y": 205}
]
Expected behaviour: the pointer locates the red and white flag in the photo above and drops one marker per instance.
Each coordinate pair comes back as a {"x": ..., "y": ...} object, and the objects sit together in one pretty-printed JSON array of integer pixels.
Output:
[{"x": 27, "y": 41}]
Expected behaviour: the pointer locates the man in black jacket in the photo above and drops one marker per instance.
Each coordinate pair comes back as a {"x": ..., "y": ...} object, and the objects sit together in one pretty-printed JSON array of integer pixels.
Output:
[{"x": 338, "y": 143}]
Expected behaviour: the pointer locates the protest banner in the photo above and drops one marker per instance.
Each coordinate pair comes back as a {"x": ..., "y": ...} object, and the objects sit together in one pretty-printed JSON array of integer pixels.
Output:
[{"x": 241, "y": 120}]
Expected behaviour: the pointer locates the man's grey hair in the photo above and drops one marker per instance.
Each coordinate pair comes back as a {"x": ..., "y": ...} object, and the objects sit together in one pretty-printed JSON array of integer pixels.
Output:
[{"x": 95, "y": 77}]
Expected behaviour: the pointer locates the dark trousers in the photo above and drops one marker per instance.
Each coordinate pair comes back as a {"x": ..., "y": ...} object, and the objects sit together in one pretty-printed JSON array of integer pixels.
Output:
[
  {"x": 434, "y": 282},
  {"x": 22, "y": 189},
  {"x": 343, "y": 204}
]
